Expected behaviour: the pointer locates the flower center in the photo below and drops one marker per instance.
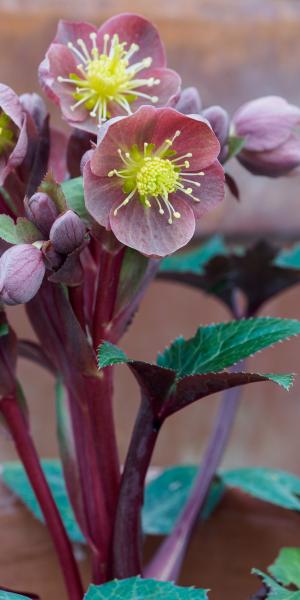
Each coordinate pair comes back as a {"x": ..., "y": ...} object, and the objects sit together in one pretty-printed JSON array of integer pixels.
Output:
[
  {"x": 157, "y": 177},
  {"x": 8, "y": 134},
  {"x": 152, "y": 174},
  {"x": 107, "y": 77}
]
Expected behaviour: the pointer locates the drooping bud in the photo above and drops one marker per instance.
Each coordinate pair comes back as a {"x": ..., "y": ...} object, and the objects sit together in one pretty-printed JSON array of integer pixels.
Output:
[
  {"x": 271, "y": 143},
  {"x": 67, "y": 232},
  {"x": 189, "y": 102},
  {"x": 219, "y": 121},
  {"x": 41, "y": 210},
  {"x": 22, "y": 271}
]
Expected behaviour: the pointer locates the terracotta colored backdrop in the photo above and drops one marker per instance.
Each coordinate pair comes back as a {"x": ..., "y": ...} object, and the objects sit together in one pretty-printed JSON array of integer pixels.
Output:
[{"x": 232, "y": 52}]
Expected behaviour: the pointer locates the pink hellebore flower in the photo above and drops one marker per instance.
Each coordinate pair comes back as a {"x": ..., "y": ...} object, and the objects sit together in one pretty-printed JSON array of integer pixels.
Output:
[
  {"x": 272, "y": 145},
  {"x": 22, "y": 271},
  {"x": 98, "y": 74},
  {"x": 13, "y": 132},
  {"x": 151, "y": 177}
]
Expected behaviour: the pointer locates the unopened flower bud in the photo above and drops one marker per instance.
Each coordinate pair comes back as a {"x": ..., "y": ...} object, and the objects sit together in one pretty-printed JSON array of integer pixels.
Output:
[
  {"x": 219, "y": 121},
  {"x": 67, "y": 232},
  {"x": 271, "y": 144},
  {"x": 41, "y": 210},
  {"x": 22, "y": 271},
  {"x": 189, "y": 101}
]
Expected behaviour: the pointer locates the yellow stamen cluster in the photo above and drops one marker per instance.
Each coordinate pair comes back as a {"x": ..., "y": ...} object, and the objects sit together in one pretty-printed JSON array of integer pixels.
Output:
[
  {"x": 156, "y": 176},
  {"x": 152, "y": 175},
  {"x": 107, "y": 77}
]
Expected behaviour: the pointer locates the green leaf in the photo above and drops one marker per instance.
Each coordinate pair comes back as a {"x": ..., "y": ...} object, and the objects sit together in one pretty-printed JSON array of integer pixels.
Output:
[
  {"x": 278, "y": 487},
  {"x": 285, "y": 380},
  {"x": 195, "y": 260},
  {"x": 235, "y": 145},
  {"x": 73, "y": 191},
  {"x": 4, "y": 329},
  {"x": 27, "y": 232},
  {"x": 8, "y": 231},
  {"x": 289, "y": 258},
  {"x": 134, "y": 267},
  {"x": 15, "y": 478},
  {"x": 286, "y": 567},
  {"x": 166, "y": 495},
  {"x": 276, "y": 591},
  {"x": 108, "y": 355},
  {"x": 136, "y": 588},
  {"x": 12, "y": 596},
  {"x": 8, "y": 200},
  {"x": 216, "y": 347},
  {"x": 54, "y": 190}
]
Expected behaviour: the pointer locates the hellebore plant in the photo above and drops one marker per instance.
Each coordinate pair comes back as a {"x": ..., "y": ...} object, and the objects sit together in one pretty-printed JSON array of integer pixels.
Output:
[{"x": 86, "y": 219}]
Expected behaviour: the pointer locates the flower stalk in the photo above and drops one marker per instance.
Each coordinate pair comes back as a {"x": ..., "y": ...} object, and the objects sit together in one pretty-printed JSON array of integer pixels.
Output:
[{"x": 25, "y": 447}]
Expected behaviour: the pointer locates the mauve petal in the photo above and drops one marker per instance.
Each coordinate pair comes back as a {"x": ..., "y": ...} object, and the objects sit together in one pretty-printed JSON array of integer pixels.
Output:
[
  {"x": 36, "y": 107},
  {"x": 195, "y": 136},
  {"x": 18, "y": 154},
  {"x": 61, "y": 64},
  {"x": 100, "y": 193},
  {"x": 71, "y": 31},
  {"x": 167, "y": 90},
  {"x": 123, "y": 133},
  {"x": 46, "y": 79},
  {"x": 189, "y": 101},
  {"x": 211, "y": 192},
  {"x": 145, "y": 230},
  {"x": 11, "y": 105},
  {"x": 132, "y": 28},
  {"x": 266, "y": 122},
  {"x": 273, "y": 163}
]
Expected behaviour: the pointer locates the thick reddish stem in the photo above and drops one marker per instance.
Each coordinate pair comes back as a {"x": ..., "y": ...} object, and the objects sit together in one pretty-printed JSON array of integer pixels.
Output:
[
  {"x": 27, "y": 452},
  {"x": 127, "y": 532}
]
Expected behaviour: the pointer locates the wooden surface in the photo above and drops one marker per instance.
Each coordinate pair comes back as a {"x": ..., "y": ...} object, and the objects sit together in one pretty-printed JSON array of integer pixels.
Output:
[{"x": 232, "y": 51}]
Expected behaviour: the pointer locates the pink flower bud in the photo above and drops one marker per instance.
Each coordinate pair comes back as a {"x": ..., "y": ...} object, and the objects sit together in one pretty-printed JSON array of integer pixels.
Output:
[
  {"x": 189, "y": 102},
  {"x": 41, "y": 210},
  {"x": 219, "y": 121},
  {"x": 21, "y": 273},
  {"x": 67, "y": 232},
  {"x": 271, "y": 146}
]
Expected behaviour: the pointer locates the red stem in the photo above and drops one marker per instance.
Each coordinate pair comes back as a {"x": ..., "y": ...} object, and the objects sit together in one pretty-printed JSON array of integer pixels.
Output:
[
  {"x": 126, "y": 560},
  {"x": 27, "y": 452},
  {"x": 107, "y": 287}
]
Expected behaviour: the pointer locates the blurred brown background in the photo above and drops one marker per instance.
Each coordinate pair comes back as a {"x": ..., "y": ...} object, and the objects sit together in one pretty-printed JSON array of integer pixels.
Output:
[{"x": 232, "y": 51}]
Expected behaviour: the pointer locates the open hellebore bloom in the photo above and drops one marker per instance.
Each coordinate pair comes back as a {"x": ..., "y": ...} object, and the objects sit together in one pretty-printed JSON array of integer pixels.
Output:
[
  {"x": 268, "y": 126},
  {"x": 98, "y": 74},
  {"x": 22, "y": 271},
  {"x": 13, "y": 133},
  {"x": 151, "y": 177}
]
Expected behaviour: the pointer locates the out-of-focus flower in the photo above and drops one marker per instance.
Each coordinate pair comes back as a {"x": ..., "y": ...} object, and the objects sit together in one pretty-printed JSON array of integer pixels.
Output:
[
  {"x": 13, "y": 132},
  {"x": 218, "y": 119},
  {"x": 151, "y": 177},
  {"x": 98, "y": 74},
  {"x": 22, "y": 271},
  {"x": 271, "y": 142},
  {"x": 189, "y": 102},
  {"x": 67, "y": 232},
  {"x": 41, "y": 210}
]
